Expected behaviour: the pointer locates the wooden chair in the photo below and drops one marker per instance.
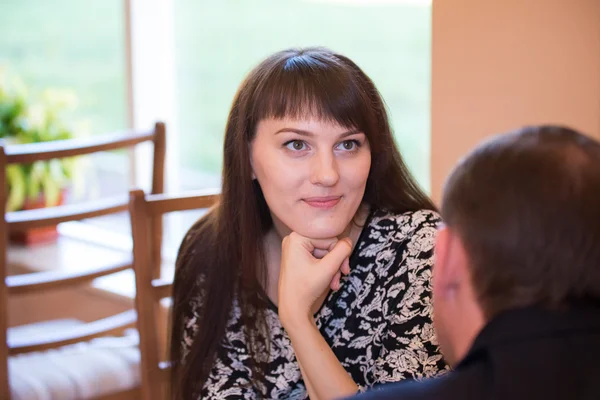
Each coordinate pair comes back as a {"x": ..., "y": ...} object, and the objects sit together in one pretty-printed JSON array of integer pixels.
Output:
[
  {"x": 50, "y": 280},
  {"x": 145, "y": 210}
]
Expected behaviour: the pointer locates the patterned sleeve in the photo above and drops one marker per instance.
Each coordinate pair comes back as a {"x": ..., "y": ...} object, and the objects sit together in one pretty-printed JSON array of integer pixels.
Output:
[
  {"x": 225, "y": 382},
  {"x": 190, "y": 328},
  {"x": 228, "y": 378},
  {"x": 409, "y": 346}
]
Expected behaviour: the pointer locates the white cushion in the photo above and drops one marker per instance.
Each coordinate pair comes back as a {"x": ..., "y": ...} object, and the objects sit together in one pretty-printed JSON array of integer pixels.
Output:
[{"x": 82, "y": 371}]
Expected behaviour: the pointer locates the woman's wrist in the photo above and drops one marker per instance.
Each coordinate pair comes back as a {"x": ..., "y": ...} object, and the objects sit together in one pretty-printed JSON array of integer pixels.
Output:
[
  {"x": 296, "y": 321},
  {"x": 319, "y": 365}
]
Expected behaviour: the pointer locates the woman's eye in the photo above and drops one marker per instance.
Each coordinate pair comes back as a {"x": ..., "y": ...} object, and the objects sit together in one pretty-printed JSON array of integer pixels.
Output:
[
  {"x": 296, "y": 145},
  {"x": 349, "y": 145}
]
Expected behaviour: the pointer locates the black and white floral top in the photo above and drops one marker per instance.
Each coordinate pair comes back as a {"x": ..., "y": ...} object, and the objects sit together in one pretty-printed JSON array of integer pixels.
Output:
[{"x": 378, "y": 324}]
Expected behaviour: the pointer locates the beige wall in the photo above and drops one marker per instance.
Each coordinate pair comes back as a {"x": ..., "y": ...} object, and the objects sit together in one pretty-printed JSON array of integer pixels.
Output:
[{"x": 500, "y": 64}]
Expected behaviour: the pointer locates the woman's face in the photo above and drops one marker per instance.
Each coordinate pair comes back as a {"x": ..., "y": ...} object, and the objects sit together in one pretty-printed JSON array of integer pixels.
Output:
[{"x": 312, "y": 173}]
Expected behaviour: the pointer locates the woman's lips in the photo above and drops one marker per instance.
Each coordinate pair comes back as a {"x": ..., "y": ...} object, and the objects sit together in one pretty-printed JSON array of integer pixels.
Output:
[{"x": 322, "y": 202}]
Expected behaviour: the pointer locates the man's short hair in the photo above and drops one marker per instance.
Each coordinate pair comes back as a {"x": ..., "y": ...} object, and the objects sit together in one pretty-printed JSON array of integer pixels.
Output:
[{"x": 526, "y": 206}]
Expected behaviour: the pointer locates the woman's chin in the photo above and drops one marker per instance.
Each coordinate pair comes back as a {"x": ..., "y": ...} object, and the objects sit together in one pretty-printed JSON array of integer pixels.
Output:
[{"x": 321, "y": 232}]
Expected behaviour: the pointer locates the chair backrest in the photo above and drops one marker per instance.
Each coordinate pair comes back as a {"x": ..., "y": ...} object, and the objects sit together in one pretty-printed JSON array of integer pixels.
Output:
[
  {"x": 145, "y": 210},
  {"x": 24, "y": 220}
]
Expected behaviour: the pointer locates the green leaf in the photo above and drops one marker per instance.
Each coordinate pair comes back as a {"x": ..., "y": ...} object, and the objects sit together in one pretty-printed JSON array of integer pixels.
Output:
[
  {"x": 16, "y": 180},
  {"x": 36, "y": 177},
  {"x": 40, "y": 117},
  {"x": 51, "y": 191}
]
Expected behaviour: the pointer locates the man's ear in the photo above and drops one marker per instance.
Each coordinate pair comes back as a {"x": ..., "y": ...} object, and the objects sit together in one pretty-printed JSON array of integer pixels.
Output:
[
  {"x": 450, "y": 269},
  {"x": 440, "y": 259}
]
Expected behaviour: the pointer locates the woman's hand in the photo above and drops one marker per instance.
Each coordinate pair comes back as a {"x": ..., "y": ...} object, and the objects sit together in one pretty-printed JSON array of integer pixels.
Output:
[{"x": 308, "y": 268}]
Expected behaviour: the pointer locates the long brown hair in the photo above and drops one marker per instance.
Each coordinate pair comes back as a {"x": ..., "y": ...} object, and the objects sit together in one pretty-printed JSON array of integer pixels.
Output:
[{"x": 221, "y": 259}]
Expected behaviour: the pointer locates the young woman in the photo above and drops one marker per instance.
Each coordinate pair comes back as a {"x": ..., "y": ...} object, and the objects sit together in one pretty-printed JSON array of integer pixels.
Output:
[{"x": 310, "y": 161}]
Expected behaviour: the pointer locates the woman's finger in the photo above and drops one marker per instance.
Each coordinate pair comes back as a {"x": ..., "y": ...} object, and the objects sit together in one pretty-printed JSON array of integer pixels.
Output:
[
  {"x": 346, "y": 266},
  {"x": 334, "y": 259},
  {"x": 319, "y": 253},
  {"x": 335, "y": 282}
]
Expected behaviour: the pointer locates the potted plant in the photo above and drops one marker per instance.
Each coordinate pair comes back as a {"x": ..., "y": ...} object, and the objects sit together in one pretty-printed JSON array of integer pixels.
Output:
[{"x": 27, "y": 118}]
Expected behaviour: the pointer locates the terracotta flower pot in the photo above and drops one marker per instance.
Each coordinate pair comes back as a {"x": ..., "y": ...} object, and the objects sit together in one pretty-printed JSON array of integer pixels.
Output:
[{"x": 46, "y": 234}]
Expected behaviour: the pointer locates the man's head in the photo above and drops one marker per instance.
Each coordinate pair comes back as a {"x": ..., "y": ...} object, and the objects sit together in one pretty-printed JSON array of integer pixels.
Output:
[{"x": 522, "y": 228}]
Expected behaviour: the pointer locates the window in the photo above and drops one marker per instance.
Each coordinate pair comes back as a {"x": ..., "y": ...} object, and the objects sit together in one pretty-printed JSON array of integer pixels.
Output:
[
  {"x": 78, "y": 46},
  {"x": 70, "y": 44}
]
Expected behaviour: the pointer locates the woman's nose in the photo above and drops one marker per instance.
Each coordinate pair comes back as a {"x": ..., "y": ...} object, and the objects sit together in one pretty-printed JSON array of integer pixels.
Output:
[{"x": 324, "y": 170}]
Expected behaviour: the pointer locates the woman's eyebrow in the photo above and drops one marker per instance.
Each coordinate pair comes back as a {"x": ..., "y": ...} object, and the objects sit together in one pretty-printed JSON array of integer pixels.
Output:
[{"x": 309, "y": 133}]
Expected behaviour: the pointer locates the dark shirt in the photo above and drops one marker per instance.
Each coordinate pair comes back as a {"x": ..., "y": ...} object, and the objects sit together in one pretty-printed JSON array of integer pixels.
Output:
[{"x": 521, "y": 354}]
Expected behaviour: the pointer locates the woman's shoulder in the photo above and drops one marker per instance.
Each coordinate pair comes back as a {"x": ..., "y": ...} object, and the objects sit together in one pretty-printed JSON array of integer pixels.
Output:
[
  {"x": 200, "y": 230},
  {"x": 392, "y": 244},
  {"x": 404, "y": 224},
  {"x": 391, "y": 233},
  {"x": 198, "y": 238}
]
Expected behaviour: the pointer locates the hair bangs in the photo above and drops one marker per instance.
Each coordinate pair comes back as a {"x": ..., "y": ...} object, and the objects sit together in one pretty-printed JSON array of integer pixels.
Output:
[{"x": 311, "y": 86}]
